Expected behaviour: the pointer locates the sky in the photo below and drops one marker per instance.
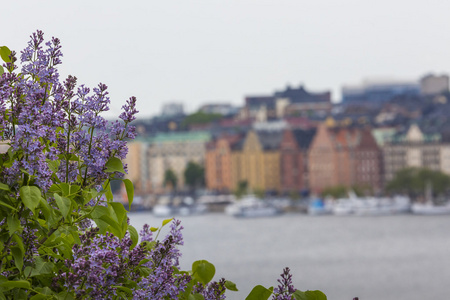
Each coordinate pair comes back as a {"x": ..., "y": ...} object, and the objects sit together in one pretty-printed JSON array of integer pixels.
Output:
[{"x": 215, "y": 51}]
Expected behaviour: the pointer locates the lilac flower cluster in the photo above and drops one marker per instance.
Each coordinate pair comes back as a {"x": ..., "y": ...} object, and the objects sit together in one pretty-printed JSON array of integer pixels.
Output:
[
  {"x": 103, "y": 262},
  {"x": 45, "y": 120},
  {"x": 212, "y": 291},
  {"x": 162, "y": 282},
  {"x": 285, "y": 289}
]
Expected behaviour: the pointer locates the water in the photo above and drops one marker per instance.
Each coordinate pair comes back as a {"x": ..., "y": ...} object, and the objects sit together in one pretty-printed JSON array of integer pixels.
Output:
[{"x": 391, "y": 257}]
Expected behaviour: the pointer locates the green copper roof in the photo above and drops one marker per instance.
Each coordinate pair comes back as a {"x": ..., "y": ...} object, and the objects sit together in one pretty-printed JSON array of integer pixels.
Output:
[
  {"x": 191, "y": 136},
  {"x": 383, "y": 135}
]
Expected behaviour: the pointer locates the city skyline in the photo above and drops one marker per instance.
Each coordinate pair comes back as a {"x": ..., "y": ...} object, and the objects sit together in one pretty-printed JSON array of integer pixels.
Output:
[{"x": 210, "y": 51}]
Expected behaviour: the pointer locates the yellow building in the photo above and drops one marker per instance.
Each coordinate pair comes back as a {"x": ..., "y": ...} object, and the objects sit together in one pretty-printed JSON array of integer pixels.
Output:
[
  {"x": 136, "y": 161},
  {"x": 257, "y": 161}
]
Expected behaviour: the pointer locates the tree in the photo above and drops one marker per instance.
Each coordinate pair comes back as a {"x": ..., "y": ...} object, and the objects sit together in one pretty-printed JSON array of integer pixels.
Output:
[
  {"x": 241, "y": 189},
  {"x": 171, "y": 179},
  {"x": 200, "y": 117},
  {"x": 194, "y": 175},
  {"x": 414, "y": 182},
  {"x": 338, "y": 191}
]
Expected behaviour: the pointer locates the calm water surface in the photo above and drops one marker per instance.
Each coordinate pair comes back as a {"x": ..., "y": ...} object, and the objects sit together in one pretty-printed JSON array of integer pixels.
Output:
[{"x": 391, "y": 257}]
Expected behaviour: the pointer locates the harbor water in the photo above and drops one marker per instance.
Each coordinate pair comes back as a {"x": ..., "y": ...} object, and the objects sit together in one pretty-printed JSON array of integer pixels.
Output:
[{"x": 403, "y": 257}]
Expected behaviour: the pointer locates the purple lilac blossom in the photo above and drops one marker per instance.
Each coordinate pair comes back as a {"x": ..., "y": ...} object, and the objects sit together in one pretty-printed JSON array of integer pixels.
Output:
[
  {"x": 103, "y": 261},
  {"x": 285, "y": 289},
  {"x": 212, "y": 291},
  {"x": 45, "y": 120}
]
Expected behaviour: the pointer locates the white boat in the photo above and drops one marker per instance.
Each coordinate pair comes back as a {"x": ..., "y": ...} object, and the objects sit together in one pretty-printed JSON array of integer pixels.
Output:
[
  {"x": 430, "y": 209},
  {"x": 343, "y": 207},
  {"x": 251, "y": 207},
  {"x": 373, "y": 206},
  {"x": 163, "y": 211}
]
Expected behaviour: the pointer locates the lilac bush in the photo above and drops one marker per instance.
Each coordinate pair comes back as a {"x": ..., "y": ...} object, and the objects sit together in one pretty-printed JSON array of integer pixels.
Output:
[{"x": 62, "y": 236}]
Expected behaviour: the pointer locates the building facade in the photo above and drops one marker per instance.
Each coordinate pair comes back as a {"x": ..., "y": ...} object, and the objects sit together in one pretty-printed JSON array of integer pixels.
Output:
[
  {"x": 257, "y": 161},
  {"x": 344, "y": 156},
  {"x": 173, "y": 151},
  {"x": 415, "y": 149},
  {"x": 294, "y": 174},
  {"x": 218, "y": 163}
]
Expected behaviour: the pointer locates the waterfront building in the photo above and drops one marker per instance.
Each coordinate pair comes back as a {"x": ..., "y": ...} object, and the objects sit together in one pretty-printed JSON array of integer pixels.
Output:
[
  {"x": 345, "y": 156},
  {"x": 257, "y": 161},
  {"x": 414, "y": 148},
  {"x": 218, "y": 163},
  {"x": 294, "y": 148},
  {"x": 137, "y": 166},
  {"x": 173, "y": 151}
]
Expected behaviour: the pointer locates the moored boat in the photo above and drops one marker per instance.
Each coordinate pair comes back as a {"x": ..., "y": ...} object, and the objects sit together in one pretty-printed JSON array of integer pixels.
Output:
[{"x": 252, "y": 207}]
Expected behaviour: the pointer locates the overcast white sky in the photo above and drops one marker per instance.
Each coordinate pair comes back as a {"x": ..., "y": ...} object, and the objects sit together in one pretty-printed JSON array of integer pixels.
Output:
[{"x": 219, "y": 51}]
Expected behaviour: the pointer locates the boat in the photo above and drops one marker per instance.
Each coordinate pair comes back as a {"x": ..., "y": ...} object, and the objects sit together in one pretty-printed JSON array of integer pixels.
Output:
[
  {"x": 318, "y": 207},
  {"x": 163, "y": 211},
  {"x": 430, "y": 209},
  {"x": 343, "y": 207},
  {"x": 371, "y": 206},
  {"x": 187, "y": 207},
  {"x": 252, "y": 207}
]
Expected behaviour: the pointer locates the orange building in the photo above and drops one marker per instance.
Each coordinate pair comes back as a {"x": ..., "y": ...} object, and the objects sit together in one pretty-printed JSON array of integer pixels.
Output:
[
  {"x": 218, "y": 173},
  {"x": 344, "y": 156}
]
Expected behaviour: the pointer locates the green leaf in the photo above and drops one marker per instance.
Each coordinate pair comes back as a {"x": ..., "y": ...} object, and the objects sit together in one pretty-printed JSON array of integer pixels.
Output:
[
  {"x": 130, "y": 191},
  {"x": 65, "y": 296},
  {"x": 231, "y": 286},
  {"x": 13, "y": 223},
  {"x": 65, "y": 188},
  {"x": 107, "y": 189},
  {"x": 1, "y": 71},
  {"x": 16, "y": 284},
  {"x": 48, "y": 212},
  {"x": 299, "y": 295},
  {"x": 315, "y": 295},
  {"x": 114, "y": 164},
  {"x": 18, "y": 257},
  {"x": 203, "y": 271},
  {"x": 4, "y": 53},
  {"x": 259, "y": 293},
  {"x": 31, "y": 196},
  {"x": 154, "y": 229},
  {"x": 119, "y": 211},
  {"x": 3, "y": 186},
  {"x": 114, "y": 227},
  {"x": 99, "y": 211},
  {"x": 166, "y": 221},
  {"x": 53, "y": 165},
  {"x": 133, "y": 235},
  {"x": 42, "y": 267},
  {"x": 127, "y": 291},
  {"x": 19, "y": 242},
  {"x": 6, "y": 205},
  {"x": 63, "y": 204},
  {"x": 74, "y": 189}
]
